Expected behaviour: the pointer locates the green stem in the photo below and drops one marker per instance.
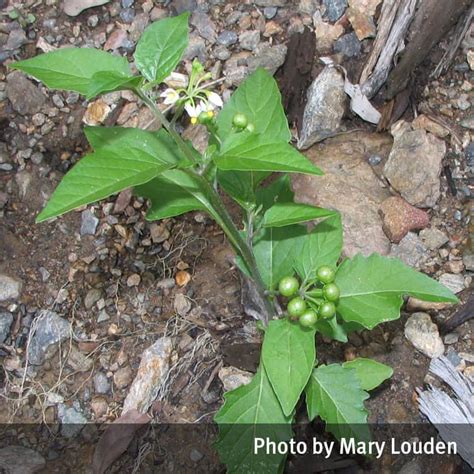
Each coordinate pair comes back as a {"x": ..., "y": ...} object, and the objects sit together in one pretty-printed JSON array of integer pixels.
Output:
[{"x": 226, "y": 222}]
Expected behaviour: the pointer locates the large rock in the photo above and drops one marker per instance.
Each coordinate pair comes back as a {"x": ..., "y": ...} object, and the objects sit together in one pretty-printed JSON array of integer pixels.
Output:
[
  {"x": 24, "y": 96},
  {"x": 9, "y": 288},
  {"x": 414, "y": 165},
  {"x": 151, "y": 375},
  {"x": 424, "y": 335},
  {"x": 324, "y": 108},
  {"x": 51, "y": 329},
  {"x": 350, "y": 186},
  {"x": 6, "y": 320},
  {"x": 20, "y": 460}
]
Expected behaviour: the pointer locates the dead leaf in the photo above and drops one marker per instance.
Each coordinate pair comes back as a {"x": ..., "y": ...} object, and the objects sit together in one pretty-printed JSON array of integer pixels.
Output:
[{"x": 116, "y": 439}]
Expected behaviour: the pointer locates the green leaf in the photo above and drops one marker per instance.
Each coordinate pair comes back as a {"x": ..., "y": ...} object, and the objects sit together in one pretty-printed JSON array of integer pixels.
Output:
[
  {"x": 249, "y": 412},
  {"x": 288, "y": 354},
  {"x": 167, "y": 199},
  {"x": 109, "y": 81},
  {"x": 369, "y": 372},
  {"x": 283, "y": 214},
  {"x": 334, "y": 393},
  {"x": 372, "y": 289},
  {"x": 241, "y": 185},
  {"x": 323, "y": 246},
  {"x": 332, "y": 329},
  {"x": 258, "y": 97},
  {"x": 279, "y": 191},
  {"x": 161, "y": 46},
  {"x": 251, "y": 152},
  {"x": 73, "y": 69},
  {"x": 275, "y": 249}
]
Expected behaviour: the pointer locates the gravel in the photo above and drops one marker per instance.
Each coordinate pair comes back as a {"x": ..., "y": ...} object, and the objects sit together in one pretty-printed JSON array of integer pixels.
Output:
[{"x": 10, "y": 288}]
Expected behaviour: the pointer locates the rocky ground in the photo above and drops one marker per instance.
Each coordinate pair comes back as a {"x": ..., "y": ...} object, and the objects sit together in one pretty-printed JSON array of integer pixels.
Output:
[{"x": 100, "y": 306}]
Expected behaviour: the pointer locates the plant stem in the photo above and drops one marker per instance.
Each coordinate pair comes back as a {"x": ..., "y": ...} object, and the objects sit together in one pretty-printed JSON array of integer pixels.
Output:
[{"x": 226, "y": 222}]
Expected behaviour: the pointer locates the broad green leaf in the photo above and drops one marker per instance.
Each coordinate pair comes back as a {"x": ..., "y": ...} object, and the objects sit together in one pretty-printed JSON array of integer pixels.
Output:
[
  {"x": 334, "y": 393},
  {"x": 323, "y": 246},
  {"x": 99, "y": 175},
  {"x": 161, "y": 46},
  {"x": 369, "y": 372},
  {"x": 275, "y": 250},
  {"x": 241, "y": 185},
  {"x": 167, "y": 199},
  {"x": 332, "y": 329},
  {"x": 73, "y": 69},
  {"x": 288, "y": 354},
  {"x": 279, "y": 191},
  {"x": 109, "y": 81},
  {"x": 258, "y": 97},
  {"x": 251, "y": 152},
  {"x": 372, "y": 289},
  {"x": 249, "y": 412},
  {"x": 283, "y": 214}
]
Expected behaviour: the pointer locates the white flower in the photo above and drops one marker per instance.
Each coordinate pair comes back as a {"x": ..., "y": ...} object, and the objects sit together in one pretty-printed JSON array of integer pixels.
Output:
[
  {"x": 214, "y": 99},
  {"x": 170, "y": 95},
  {"x": 193, "y": 111}
]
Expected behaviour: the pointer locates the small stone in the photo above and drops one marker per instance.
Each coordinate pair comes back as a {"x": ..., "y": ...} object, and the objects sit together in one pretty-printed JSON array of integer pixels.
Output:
[
  {"x": 16, "y": 39},
  {"x": 50, "y": 329},
  {"x": 454, "y": 282},
  {"x": 89, "y": 223},
  {"x": 99, "y": 406},
  {"x": 425, "y": 123},
  {"x": 451, "y": 338},
  {"x": 117, "y": 39},
  {"x": 433, "y": 238},
  {"x": 6, "y": 320},
  {"x": 101, "y": 383},
  {"x": 334, "y": 9},
  {"x": 96, "y": 112},
  {"x": 166, "y": 284},
  {"x": 412, "y": 467},
  {"x": 127, "y": 15},
  {"x": 269, "y": 12},
  {"x": 324, "y": 108},
  {"x": 10, "y": 288},
  {"x": 468, "y": 122},
  {"x": 123, "y": 200},
  {"x": 133, "y": 280},
  {"x": 468, "y": 261},
  {"x": 72, "y": 421},
  {"x": 25, "y": 97},
  {"x": 363, "y": 24},
  {"x": 183, "y": 278},
  {"x": 410, "y": 250},
  {"x": 268, "y": 57},
  {"x": 182, "y": 305},
  {"x": 424, "y": 335},
  {"x": 92, "y": 297},
  {"x": 222, "y": 53},
  {"x": 74, "y": 7},
  {"x": 151, "y": 375},
  {"x": 204, "y": 26},
  {"x": 123, "y": 377},
  {"x": 227, "y": 38},
  {"x": 159, "y": 233},
  {"x": 400, "y": 217},
  {"x": 195, "y": 455},
  {"x": 249, "y": 40},
  {"x": 196, "y": 49},
  {"x": 454, "y": 266},
  {"x": 470, "y": 58},
  {"x": 348, "y": 45},
  {"x": 127, "y": 3},
  {"x": 374, "y": 160},
  {"x": 78, "y": 362},
  {"x": 20, "y": 460},
  {"x": 325, "y": 33},
  {"x": 103, "y": 316},
  {"x": 232, "y": 378}
]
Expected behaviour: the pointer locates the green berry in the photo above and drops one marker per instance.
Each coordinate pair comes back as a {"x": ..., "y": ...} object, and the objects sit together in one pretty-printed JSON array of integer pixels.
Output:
[
  {"x": 250, "y": 128},
  {"x": 327, "y": 310},
  {"x": 296, "y": 307},
  {"x": 204, "y": 118},
  {"x": 288, "y": 286},
  {"x": 331, "y": 292},
  {"x": 240, "y": 121},
  {"x": 308, "y": 319},
  {"x": 325, "y": 274}
]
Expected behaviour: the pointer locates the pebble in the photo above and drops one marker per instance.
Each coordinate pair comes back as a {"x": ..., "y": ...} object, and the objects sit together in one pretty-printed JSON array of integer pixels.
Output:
[
  {"x": 101, "y": 383},
  {"x": 50, "y": 330},
  {"x": 74, "y": 7},
  {"x": 89, "y": 223},
  {"x": 410, "y": 250},
  {"x": 334, "y": 9},
  {"x": 424, "y": 335},
  {"x": 348, "y": 45},
  {"x": 268, "y": 57},
  {"x": 72, "y": 421},
  {"x": 468, "y": 261},
  {"x": 249, "y": 40},
  {"x": 92, "y": 297},
  {"x": 451, "y": 338},
  {"x": 270, "y": 12},
  {"x": 127, "y": 15},
  {"x": 99, "y": 406},
  {"x": 127, "y": 3},
  {"x": 221, "y": 53},
  {"x": 195, "y": 455},
  {"x": 227, "y": 38},
  {"x": 6, "y": 320},
  {"x": 374, "y": 160},
  {"x": 123, "y": 377},
  {"x": 232, "y": 378},
  {"x": 31, "y": 461},
  {"x": 25, "y": 97},
  {"x": 10, "y": 288},
  {"x": 433, "y": 238},
  {"x": 469, "y": 154},
  {"x": 204, "y": 25},
  {"x": 182, "y": 305},
  {"x": 455, "y": 282},
  {"x": 133, "y": 280}
]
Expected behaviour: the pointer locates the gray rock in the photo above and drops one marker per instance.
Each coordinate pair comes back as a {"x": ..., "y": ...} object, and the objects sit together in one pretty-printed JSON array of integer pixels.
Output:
[
  {"x": 334, "y": 9},
  {"x": 195, "y": 455},
  {"x": 89, "y": 223},
  {"x": 414, "y": 165},
  {"x": 468, "y": 261},
  {"x": 16, "y": 39},
  {"x": 410, "y": 250},
  {"x": 348, "y": 45},
  {"x": 271, "y": 3},
  {"x": 72, "y": 421},
  {"x": 424, "y": 335},
  {"x": 453, "y": 281},
  {"x": 127, "y": 3},
  {"x": 204, "y": 25},
  {"x": 151, "y": 375},
  {"x": 6, "y": 320},
  {"x": 468, "y": 122},
  {"x": 227, "y": 38},
  {"x": 181, "y": 6},
  {"x": 101, "y": 383},
  {"x": 196, "y": 49},
  {"x": 268, "y": 57},
  {"x": 50, "y": 329},
  {"x": 182, "y": 305},
  {"x": 222, "y": 53},
  {"x": 74, "y": 7},
  {"x": 127, "y": 15},
  {"x": 25, "y": 97},
  {"x": 269, "y": 12},
  {"x": 451, "y": 338},
  {"x": 10, "y": 288},
  {"x": 412, "y": 467},
  {"x": 92, "y": 296},
  {"x": 469, "y": 154},
  {"x": 232, "y": 378},
  {"x": 20, "y": 460},
  {"x": 249, "y": 39},
  {"x": 433, "y": 238},
  {"x": 324, "y": 108},
  {"x": 343, "y": 160}
]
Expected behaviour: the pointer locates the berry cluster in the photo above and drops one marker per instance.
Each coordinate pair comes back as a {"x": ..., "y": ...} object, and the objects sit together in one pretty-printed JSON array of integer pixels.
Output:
[
  {"x": 241, "y": 122},
  {"x": 309, "y": 305}
]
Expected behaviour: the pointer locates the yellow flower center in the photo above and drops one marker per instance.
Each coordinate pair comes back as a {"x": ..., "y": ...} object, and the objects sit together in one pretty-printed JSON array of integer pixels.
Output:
[{"x": 194, "y": 120}]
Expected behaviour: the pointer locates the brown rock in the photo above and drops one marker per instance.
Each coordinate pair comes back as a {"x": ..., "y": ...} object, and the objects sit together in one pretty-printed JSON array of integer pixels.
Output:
[
  {"x": 326, "y": 33},
  {"x": 425, "y": 123},
  {"x": 399, "y": 217},
  {"x": 117, "y": 39},
  {"x": 123, "y": 377},
  {"x": 99, "y": 406},
  {"x": 363, "y": 25}
]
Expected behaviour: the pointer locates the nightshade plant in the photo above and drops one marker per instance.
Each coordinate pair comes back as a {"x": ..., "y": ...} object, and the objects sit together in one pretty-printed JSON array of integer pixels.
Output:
[{"x": 287, "y": 263}]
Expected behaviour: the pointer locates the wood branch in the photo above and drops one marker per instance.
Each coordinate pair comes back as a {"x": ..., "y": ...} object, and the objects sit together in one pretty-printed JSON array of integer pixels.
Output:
[
  {"x": 461, "y": 29},
  {"x": 462, "y": 315},
  {"x": 395, "y": 19},
  {"x": 435, "y": 19}
]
